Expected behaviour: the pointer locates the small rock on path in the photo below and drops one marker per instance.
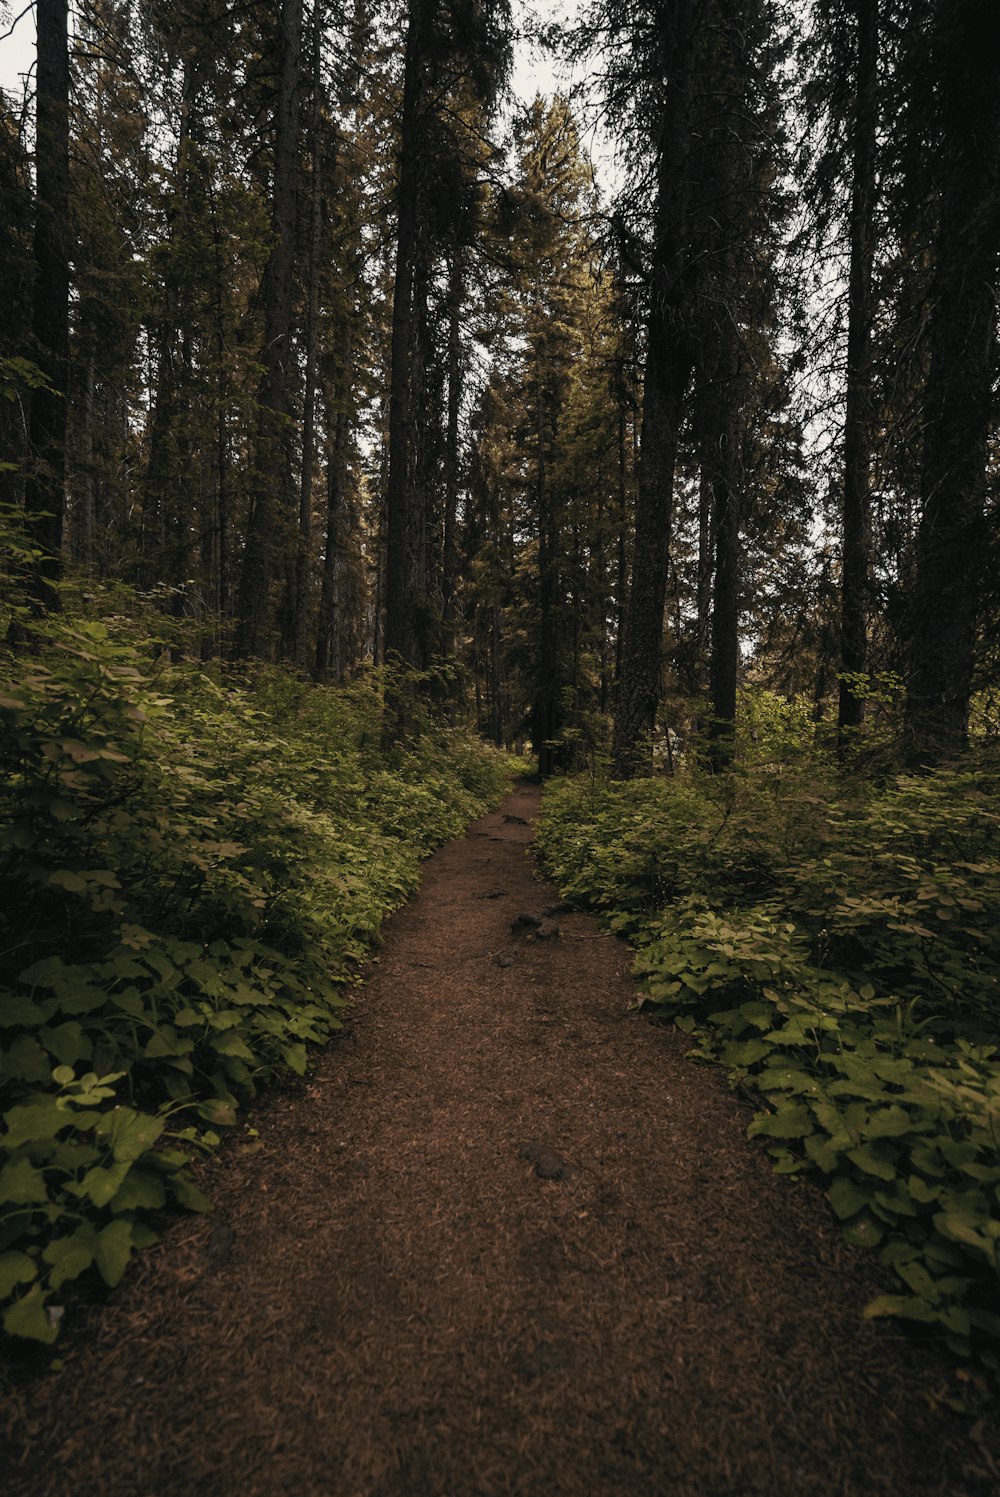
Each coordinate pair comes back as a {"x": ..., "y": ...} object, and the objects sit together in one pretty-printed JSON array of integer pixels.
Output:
[{"x": 406, "y": 1298}]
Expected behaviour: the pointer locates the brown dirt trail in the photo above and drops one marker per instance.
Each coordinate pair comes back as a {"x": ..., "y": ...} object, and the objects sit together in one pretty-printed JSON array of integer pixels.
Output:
[{"x": 508, "y": 1240}]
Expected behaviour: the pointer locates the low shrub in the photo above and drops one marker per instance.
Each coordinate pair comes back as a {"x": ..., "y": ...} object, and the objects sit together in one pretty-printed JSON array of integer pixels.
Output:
[
  {"x": 190, "y": 872},
  {"x": 839, "y": 953}
]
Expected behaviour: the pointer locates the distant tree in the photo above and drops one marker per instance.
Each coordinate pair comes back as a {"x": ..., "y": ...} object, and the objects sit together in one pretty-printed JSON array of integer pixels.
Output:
[
  {"x": 269, "y": 524},
  {"x": 456, "y": 56},
  {"x": 705, "y": 76},
  {"x": 45, "y": 497},
  {"x": 16, "y": 293},
  {"x": 856, "y": 565}
]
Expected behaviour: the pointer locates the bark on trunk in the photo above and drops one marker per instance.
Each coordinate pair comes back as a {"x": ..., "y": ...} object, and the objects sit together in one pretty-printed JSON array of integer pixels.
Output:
[
  {"x": 303, "y": 560},
  {"x": 958, "y": 399},
  {"x": 722, "y": 462},
  {"x": 329, "y": 661},
  {"x": 546, "y": 717},
  {"x": 268, "y": 527},
  {"x": 621, "y": 574},
  {"x": 46, "y": 485},
  {"x": 450, "y": 569},
  {"x": 404, "y": 521},
  {"x": 856, "y": 577},
  {"x": 668, "y": 366}
]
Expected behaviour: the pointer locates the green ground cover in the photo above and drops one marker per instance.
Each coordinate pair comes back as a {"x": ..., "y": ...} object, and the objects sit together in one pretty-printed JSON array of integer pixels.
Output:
[
  {"x": 836, "y": 946},
  {"x": 191, "y": 870}
]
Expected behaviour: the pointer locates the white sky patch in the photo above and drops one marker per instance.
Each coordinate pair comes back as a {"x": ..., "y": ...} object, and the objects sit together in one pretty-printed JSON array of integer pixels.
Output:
[
  {"x": 17, "y": 50},
  {"x": 540, "y": 72}
]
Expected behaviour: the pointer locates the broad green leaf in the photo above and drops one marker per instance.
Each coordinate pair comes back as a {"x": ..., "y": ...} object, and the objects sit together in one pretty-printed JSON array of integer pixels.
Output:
[
  {"x": 130, "y": 1134},
  {"x": 889, "y": 1122},
  {"x": 44, "y": 974},
  {"x": 15, "y": 1268},
  {"x": 874, "y": 1159},
  {"x": 230, "y": 1043},
  {"x": 295, "y": 1057},
  {"x": 100, "y": 1184},
  {"x": 21, "y": 1183},
  {"x": 114, "y": 1249},
  {"x": 965, "y": 1227},
  {"x": 887, "y": 1305},
  {"x": 787, "y": 1122},
  {"x": 17, "y": 1011},
  {"x": 187, "y": 1194},
  {"x": 847, "y": 1197},
  {"x": 744, "y": 1052},
  {"x": 71, "y": 1256},
  {"x": 29, "y": 1318},
  {"x": 166, "y": 1042},
  {"x": 141, "y": 1190},
  {"x": 222, "y": 1114},
  {"x": 65, "y": 878},
  {"x": 25, "y": 1060},
  {"x": 67, "y": 1042},
  {"x": 864, "y": 1231},
  {"x": 35, "y": 1121}
]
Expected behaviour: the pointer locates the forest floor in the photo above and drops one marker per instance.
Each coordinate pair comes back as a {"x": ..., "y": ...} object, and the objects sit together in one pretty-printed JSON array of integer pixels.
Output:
[{"x": 506, "y": 1240}]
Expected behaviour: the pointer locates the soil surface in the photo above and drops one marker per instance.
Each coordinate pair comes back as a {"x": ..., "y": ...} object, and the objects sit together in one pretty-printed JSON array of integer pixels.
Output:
[{"x": 507, "y": 1240}]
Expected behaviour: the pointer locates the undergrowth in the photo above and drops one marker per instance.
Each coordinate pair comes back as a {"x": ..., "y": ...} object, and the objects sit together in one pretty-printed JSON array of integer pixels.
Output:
[
  {"x": 837, "y": 948},
  {"x": 191, "y": 869}
]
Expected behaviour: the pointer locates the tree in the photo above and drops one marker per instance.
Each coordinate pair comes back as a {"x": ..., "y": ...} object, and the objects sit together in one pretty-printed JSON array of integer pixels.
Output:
[
  {"x": 45, "y": 489},
  {"x": 16, "y": 287},
  {"x": 456, "y": 55},
  {"x": 958, "y": 406},
  {"x": 857, "y": 541},
  {"x": 269, "y": 518},
  {"x": 669, "y": 360}
]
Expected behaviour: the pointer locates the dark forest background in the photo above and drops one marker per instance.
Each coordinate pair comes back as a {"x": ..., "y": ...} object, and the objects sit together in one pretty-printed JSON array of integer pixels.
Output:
[{"x": 320, "y": 341}]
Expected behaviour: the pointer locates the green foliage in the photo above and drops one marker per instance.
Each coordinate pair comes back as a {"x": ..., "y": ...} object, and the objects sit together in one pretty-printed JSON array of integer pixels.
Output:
[
  {"x": 840, "y": 954},
  {"x": 191, "y": 871},
  {"x": 771, "y": 729}
]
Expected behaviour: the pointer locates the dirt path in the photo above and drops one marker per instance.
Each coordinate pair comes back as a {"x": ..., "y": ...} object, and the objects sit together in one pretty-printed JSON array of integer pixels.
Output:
[{"x": 507, "y": 1241}]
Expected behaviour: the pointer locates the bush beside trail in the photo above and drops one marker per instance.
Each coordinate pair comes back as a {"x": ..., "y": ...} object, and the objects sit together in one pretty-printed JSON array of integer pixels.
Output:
[
  {"x": 191, "y": 871},
  {"x": 836, "y": 946}
]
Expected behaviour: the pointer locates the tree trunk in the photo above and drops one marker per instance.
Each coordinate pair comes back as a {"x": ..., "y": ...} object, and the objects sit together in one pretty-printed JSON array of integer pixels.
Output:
[
  {"x": 958, "y": 398},
  {"x": 667, "y": 372},
  {"x": 706, "y": 569},
  {"x": 668, "y": 366},
  {"x": 857, "y": 542},
  {"x": 268, "y": 527},
  {"x": 722, "y": 462},
  {"x": 329, "y": 662},
  {"x": 45, "y": 496},
  {"x": 303, "y": 559},
  {"x": 621, "y": 573},
  {"x": 404, "y": 521},
  {"x": 84, "y": 526},
  {"x": 450, "y": 568},
  {"x": 546, "y": 715}
]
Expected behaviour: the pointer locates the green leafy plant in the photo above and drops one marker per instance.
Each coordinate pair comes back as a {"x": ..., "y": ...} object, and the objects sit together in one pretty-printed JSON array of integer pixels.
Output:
[
  {"x": 839, "y": 952},
  {"x": 191, "y": 871}
]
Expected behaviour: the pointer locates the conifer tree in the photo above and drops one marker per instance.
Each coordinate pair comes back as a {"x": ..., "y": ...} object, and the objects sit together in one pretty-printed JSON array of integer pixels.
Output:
[
  {"x": 269, "y": 514},
  {"x": 45, "y": 490},
  {"x": 963, "y": 43},
  {"x": 454, "y": 53}
]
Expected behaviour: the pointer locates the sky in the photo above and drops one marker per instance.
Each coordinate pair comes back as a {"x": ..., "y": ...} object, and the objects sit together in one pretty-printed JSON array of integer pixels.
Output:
[
  {"x": 533, "y": 72},
  {"x": 17, "y": 52}
]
